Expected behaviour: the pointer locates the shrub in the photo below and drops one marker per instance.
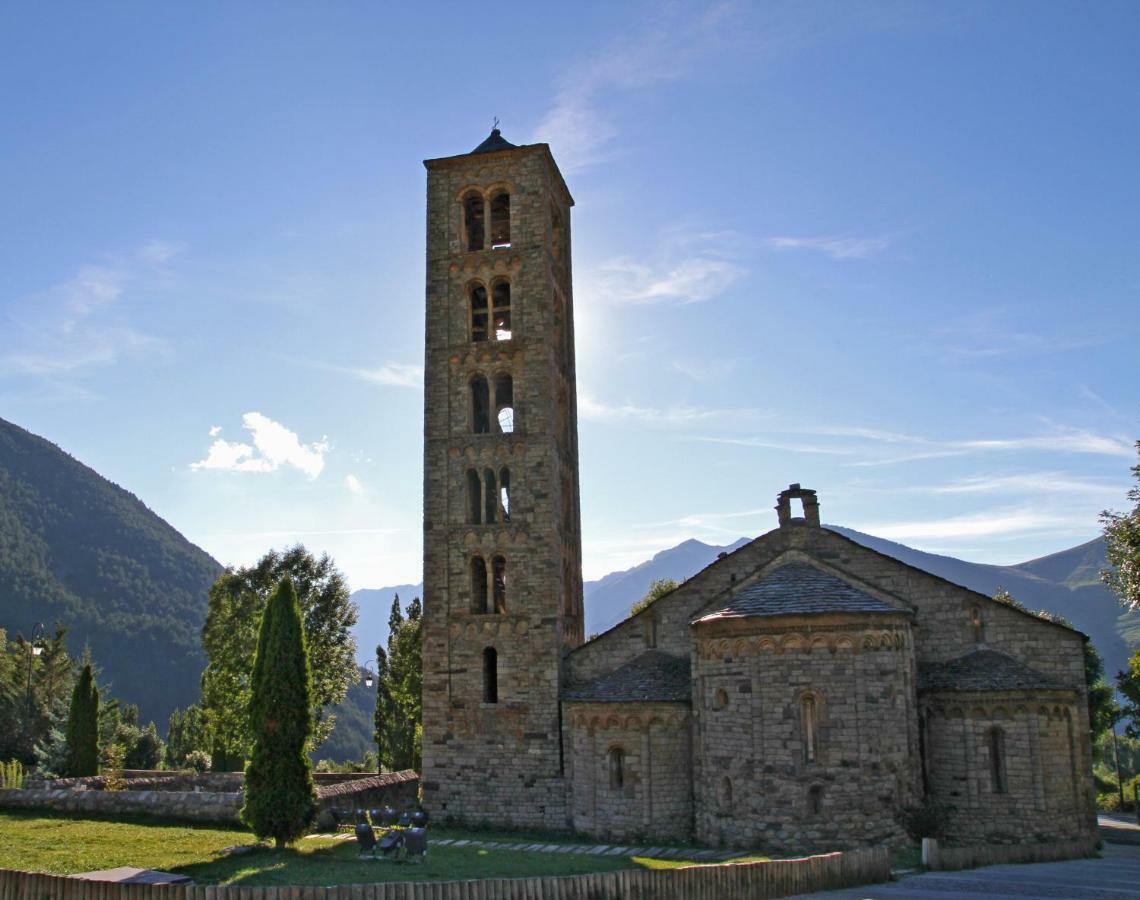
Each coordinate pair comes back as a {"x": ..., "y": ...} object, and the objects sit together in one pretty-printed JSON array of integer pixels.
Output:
[
  {"x": 11, "y": 775},
  {"x": 198, "y": 760},
  {"x": 928, "y": 819}
]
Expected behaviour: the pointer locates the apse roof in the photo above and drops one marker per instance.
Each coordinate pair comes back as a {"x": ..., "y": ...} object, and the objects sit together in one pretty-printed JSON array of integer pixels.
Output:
[
  {"x": 652, "y": 676},
  {"x": 494, "y": 142},
  {"x": 797, "y": 589},
  {"x": 984, "y": 670}
]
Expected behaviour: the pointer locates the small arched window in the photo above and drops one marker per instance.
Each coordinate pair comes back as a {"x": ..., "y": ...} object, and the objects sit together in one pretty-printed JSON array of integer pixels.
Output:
[
  {"x": 499, "y": 583},
  {"x": 500, "y": 220},
  {"x": 480, "y": 406},
  {"x": 809, "y": 724},
  {"x": 490, "y": 498},
  {"x": 815, "y": 800},
  {"x": 505, "y": 493},
  {"x": 473, "y": 221},
  {"x": 724, "y": 794},
  {"x": 649, "y": 626},
  {"x": 478, "y": 585},
  {"x": 977, "y": 624},
  {"x": 478, "y": 300},
  {"x": 505, "y": 403},
  {"x": 501, "y": 311},
  {"x": 474, "y": 498},
  {"x": 490, "y": 675},
  {"x": 997, "y": 761},
  {"x": 616, "y": 758}
]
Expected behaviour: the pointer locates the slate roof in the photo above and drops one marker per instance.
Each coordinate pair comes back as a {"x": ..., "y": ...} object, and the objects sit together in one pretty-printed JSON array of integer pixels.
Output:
[
  {"x": 654, "y": 675},
  {"x": 984, "y": 670},
  {"x": 494, "y": 142},
  {"x": 797, "y": 589}
]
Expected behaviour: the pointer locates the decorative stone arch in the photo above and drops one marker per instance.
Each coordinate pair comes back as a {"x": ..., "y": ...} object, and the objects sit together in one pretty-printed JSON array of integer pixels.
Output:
[
  {"x": 808, "y": 499},
  {"x": 811, "y": 716},
  {"x": 616, "y": 767}
]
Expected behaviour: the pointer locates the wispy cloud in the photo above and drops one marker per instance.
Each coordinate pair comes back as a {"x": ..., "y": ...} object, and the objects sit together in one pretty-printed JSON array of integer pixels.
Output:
[
  {"x": 1036, "y": 483},
  {"x": 273, "y": 446},
  {"x": 973, "y": 525},
  {"x": 353, "y": 484},
  {"x": 389, "y": 374},
  {"x": 594, "y": 410},
  {"x": 666, "y": 49},
  {"x": 839, "y": 248},
  {"x": 994, "y": 333},
  {"x": 692, "y": 279},
  {"x": 79, "y": 323}
]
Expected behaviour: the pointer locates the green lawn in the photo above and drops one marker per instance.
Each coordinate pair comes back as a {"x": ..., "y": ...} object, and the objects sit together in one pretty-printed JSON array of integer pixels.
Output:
[{"x": 54, "y": 843}]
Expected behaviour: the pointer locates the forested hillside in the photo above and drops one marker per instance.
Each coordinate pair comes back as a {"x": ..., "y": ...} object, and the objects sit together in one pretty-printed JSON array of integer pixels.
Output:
[{"x": 79, "y": 550}]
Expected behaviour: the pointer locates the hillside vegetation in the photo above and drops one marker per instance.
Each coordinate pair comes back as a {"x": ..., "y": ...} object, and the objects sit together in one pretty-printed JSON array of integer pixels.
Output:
[{"x": 77, "y": 549}]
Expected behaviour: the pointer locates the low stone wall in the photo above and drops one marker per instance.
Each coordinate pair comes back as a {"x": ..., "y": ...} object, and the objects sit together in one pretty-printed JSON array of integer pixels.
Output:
[
  {"x": 777, "y": 878},
  {"x": 203, "y": 806},
  {"x": 939, "y": 858},
  {"x": 161, "y": 797}
]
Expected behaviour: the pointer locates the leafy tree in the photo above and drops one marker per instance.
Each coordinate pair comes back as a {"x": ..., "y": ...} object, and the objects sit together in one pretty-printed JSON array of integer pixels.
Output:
[
  {"x": 659, "y": 588},
  {"x": 1122, "y": 537},
  {"x": 1129, "y": 686},
  {"x": 146, "y": 749},
  {"x": 399, "y": 690},
  {"x": 83, "y": 727},
  {"x": 187, "y": 732},
  {"x": 280, "y": 800},
  {"x": 237, "y": 601}
]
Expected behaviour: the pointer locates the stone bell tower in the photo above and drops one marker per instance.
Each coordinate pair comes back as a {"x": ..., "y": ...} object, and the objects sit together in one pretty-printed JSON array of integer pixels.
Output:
[{"x": 502, "y": 536}]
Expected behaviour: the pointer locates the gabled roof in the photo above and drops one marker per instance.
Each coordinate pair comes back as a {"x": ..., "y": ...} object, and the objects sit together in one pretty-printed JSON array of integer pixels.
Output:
[
  {"x": 798, "y": 589},
  {"x": 652, "y": 676},
  {"x": 984, "y": 670}
]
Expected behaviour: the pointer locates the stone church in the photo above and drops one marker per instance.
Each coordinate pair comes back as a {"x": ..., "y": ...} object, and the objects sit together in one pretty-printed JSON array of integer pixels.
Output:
[{"x": 792, "y": 695}]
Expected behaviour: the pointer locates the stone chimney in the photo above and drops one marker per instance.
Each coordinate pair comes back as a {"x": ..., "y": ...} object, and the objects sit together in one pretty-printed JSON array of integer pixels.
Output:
[{"x": 810, "y": 504}]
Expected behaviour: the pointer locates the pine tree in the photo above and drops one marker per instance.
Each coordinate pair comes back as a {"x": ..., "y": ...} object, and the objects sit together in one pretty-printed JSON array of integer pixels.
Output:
[
  {"x": 83, "y": 727},
  {"x": 280, "y": 800}
]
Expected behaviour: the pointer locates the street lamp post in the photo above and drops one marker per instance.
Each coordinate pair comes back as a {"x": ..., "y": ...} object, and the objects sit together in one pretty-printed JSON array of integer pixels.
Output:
[
  {"x": 369, "y": 676},
  {"x": 35, "y": 648}
]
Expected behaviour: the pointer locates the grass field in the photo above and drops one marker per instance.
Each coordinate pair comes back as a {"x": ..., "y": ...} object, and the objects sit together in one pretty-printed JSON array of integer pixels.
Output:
[{"x": 58, "y": 844}]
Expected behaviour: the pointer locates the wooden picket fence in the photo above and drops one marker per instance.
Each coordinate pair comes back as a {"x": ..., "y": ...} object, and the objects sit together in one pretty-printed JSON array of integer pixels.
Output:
[{"x": 777, "y": 878}]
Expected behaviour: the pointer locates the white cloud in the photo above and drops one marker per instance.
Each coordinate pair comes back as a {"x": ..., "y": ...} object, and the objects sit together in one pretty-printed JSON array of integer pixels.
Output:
[
  {"x": 79, "y": 323},
  {"x": 840, "y": 248},
  {"x": 1025, "y": 483},
  {"x": 692, "y": 279},
  {"x": 215, "y": 431},
  {"x": 984, "y": 524},
  {"x": 594, "y": 410},
  {"x": 390, "y": 374},
  {"x": 274, "y": 446},
  {"x": 353, "y": 484}
]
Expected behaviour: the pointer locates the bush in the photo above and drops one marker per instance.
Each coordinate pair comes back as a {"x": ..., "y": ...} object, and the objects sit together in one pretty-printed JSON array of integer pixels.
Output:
[
  {"x": 928, "y": 819},
  {"x": 11, "y": 775},
  {"x": 198, "y": 760}
]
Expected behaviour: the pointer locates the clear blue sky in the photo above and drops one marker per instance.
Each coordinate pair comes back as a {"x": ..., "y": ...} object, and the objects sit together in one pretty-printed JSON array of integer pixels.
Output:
[{"x": 890, "y": 251}]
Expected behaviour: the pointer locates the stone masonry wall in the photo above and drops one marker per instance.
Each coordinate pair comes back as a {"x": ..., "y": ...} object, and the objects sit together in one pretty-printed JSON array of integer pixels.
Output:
[
  {"x": 754, "y": 777},
  {"x": 654, "y": 801},
  {"x": 1038, "y": 794}
]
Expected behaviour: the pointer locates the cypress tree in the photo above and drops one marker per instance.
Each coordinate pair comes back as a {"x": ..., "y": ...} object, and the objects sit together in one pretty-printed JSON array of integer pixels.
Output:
[
  {"x": 280, "y": 800},
  {"x": 83, "y": 727}
]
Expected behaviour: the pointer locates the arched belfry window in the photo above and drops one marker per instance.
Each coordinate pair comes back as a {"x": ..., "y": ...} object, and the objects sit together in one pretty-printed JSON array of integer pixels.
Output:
[
  {"x": 473, "y": 221},
  {"x": 501, "y": 311},
  {"x": 478, "y": 585},
  {"x": 499, "y": 584},
  {"x": 490, "y": 675},
  {"x": 809, "y": 726},
  {"x": 480, "y": 406},
  {"x": 490, "y": 498},
  {"x": 616, "y": 761},
  {"x": 474, "y": 498},
  {"x": 478, "y": 297},
  {"x": 978, "y": 624},
  {"x": 505, "y": 493},
  {"x": 500, "y": 220},
  {"x": 505, "y": 403},
  {"x": 997, "y": 761}
]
